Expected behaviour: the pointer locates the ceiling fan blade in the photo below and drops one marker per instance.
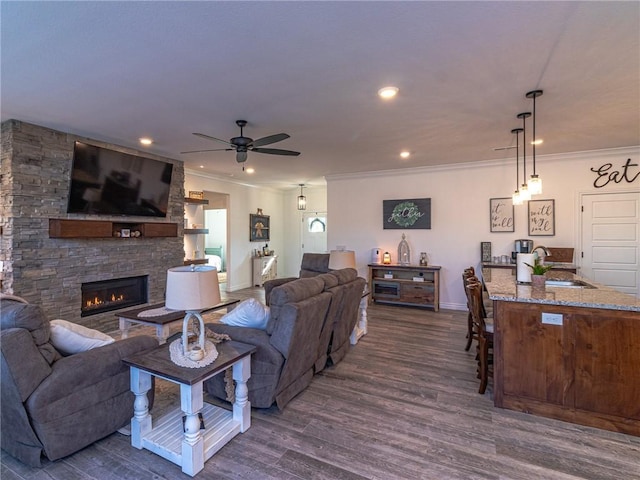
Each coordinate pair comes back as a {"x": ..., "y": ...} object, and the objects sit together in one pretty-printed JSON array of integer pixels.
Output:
[
  {"x": 241, "y": 157},
  {"x": 214, "y": 150},
  {"x": 209, "y": 137},
  {"x": 278, "y": 137},
  {"x": 276, "y": 151}
]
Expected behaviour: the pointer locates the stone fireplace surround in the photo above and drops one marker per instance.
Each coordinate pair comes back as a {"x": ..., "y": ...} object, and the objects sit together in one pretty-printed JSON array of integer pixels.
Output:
[{"x": 34, "y": 180}]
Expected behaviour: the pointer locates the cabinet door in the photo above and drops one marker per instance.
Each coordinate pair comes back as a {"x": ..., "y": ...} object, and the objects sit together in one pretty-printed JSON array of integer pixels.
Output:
[
  {"x": 417, "y": 292},
  {"x": 535, "y": 358},
  {"x": 607, "y": 363}
]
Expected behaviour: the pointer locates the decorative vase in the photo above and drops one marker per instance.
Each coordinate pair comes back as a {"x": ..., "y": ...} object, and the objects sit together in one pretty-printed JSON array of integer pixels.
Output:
[{"x": 538, "y": 281}]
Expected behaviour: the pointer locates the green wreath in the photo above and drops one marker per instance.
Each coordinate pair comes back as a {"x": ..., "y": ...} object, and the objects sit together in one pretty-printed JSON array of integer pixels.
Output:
[{"x": 400, "y": 216}]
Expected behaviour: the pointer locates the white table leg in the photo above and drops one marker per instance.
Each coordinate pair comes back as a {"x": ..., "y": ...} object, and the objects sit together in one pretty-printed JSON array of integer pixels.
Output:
[
  {"x": 242, "y": 407},
  {"x": 361, "y": 327},
  {"x": 124, "y": 325},
  {"x": 141, "y": 421},
  {"x": 193, "y": 443},
  {"x": 162, "y": 332}
]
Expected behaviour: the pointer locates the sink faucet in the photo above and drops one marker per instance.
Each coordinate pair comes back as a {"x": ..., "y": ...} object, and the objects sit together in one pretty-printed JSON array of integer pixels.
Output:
[{"x": 546, "y": 253}]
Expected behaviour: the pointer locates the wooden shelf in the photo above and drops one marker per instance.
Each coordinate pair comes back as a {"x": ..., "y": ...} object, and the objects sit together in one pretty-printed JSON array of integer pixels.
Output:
[
  {"x": 196, "y": 201},
  {"x": 66, "y": 228}
]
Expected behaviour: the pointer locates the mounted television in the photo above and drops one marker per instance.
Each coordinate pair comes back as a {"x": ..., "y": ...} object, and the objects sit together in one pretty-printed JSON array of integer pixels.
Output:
[{"x": 107, "y": 182}]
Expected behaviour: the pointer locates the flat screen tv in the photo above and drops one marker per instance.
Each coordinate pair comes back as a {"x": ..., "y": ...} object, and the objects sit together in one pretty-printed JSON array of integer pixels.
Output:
[{"x": 107, "y": 182}]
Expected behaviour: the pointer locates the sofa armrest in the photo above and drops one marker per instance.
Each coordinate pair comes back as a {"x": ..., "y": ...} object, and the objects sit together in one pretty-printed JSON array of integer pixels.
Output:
[{"x": 77, "y": 372}]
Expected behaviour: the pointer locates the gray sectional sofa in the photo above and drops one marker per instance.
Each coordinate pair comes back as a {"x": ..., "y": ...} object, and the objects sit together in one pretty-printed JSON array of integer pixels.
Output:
[
  {"x": 53, "y": 404},
  {"x": 310, "y": 322}
]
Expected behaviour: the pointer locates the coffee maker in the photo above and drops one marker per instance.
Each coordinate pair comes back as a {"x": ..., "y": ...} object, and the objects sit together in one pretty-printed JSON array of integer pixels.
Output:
[{"x": 524, "y": 246}]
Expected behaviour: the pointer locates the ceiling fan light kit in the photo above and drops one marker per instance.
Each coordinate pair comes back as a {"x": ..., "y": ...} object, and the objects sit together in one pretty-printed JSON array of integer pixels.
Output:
[{"x": 242, "y": 145}]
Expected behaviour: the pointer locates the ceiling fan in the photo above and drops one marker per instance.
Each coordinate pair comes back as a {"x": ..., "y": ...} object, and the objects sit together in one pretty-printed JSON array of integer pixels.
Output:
[{"x": 243, "y": 144}]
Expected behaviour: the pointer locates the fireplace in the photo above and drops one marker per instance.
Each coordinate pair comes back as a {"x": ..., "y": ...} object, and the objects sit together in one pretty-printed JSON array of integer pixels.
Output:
[{"x": 107, "y": 295}]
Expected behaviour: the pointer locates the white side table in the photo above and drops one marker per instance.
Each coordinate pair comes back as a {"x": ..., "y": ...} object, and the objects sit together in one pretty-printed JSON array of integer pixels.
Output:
[
  {"x": 361, "y": 327},
  {"x": 177, "y": 436}
]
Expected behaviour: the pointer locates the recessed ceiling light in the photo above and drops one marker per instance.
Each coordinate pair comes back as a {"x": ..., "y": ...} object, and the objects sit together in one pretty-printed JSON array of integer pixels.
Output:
[
  {"x": 537, "y": 142},
  {"x": 201, "y": 166},
  {"x": 146, "y": 141},
  {"x": 388, "y": 92},
  {"x": 249, "y": 170},
  {"x": 405, "y": 154}
]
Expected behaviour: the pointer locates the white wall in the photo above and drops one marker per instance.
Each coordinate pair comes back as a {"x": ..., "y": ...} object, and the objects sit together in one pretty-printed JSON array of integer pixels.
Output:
[
  {"x": 243, "y": 200},
  {"x": 460, "y": 209}
]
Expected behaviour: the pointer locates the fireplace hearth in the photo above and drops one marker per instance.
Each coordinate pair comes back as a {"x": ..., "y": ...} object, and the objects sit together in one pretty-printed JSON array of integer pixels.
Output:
[{"x": 114, "y": 294}]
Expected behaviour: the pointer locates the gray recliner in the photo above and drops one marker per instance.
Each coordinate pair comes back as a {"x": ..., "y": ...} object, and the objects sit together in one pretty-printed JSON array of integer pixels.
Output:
[
  {"x": 56, "y": 405},
  {"x": 313, "y": 264}
]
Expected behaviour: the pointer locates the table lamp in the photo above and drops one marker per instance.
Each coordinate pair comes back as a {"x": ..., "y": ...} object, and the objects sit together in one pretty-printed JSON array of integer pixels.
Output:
[
  {"x": 192, "y": 289},
  {"x": 342, "y": 259}
]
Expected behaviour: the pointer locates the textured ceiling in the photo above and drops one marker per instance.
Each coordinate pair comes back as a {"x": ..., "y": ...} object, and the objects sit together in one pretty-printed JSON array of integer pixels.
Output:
[{"x": 116, "y": 71}]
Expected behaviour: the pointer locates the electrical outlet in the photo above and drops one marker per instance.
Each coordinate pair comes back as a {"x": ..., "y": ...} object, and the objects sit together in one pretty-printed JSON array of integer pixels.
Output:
[{"x": 552, "y": 318}]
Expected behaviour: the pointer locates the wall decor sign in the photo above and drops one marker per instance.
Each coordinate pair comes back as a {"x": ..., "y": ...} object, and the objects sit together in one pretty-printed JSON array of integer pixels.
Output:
[
  {"x": 258, "y": 228},
  {"x": 542, "y": 218},
  {"x": 408, "y": 214},
  {"x": 501, "y": 215},
  {"x": 606, "y": 175}
]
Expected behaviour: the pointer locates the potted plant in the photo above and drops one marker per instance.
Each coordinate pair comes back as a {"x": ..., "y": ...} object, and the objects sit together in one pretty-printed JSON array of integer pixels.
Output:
[{"x": 537, "y": 272}]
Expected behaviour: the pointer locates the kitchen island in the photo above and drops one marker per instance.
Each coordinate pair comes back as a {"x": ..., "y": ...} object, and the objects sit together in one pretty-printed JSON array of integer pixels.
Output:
[{"x": 566, "y": 352}]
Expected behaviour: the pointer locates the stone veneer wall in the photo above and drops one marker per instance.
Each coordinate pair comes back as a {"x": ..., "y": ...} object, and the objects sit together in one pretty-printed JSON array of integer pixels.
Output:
[{"x": 34, "y": 179}]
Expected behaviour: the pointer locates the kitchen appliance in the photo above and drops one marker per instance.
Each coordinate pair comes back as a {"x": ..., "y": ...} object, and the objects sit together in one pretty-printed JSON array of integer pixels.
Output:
[{"x": 523, "y": 246}]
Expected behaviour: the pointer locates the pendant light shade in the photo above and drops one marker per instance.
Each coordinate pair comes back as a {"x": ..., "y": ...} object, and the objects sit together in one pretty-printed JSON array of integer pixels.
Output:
[
  {"x": 516, "y": 199},
  {"x": 535, "y": 182},
  {"x": 302, "y": 200},
  {"x": 525, "y": 195}
]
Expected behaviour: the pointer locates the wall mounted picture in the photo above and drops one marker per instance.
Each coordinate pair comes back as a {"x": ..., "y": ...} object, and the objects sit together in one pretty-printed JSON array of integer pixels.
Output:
[
  {"x": 501, "y": 215},
  {"x": 258, "y": 228},
  {"x": 542, "y": 218},
  {"x": 413, "y": 213}
]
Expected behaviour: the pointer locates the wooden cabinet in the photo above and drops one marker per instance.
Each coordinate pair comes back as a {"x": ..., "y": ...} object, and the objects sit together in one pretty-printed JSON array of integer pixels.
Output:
[
  {"x": 264, "y": 268},
  {"x": 583, "y": 370},
  {"x": 410, "y": 285},
  {"x": 67, "y": 228}
]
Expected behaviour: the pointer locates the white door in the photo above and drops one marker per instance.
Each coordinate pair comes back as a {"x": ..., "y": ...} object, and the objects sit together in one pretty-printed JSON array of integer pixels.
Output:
[
  {"x": 314, "y": 232},
  {"x": 611, "y": 240}
]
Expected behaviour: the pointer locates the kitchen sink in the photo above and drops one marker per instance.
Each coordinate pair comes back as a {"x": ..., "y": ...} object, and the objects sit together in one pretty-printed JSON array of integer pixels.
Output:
[{"x": 567, "y": 283}]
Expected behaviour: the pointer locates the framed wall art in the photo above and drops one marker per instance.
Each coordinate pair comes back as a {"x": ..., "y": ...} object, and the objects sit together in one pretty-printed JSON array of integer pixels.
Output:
[
  {"x": 413, "y": 213},
  {"x": 542, "y": 218},
  {"x": 501, "y": 215},
  {"x": 258, "y": 228}
]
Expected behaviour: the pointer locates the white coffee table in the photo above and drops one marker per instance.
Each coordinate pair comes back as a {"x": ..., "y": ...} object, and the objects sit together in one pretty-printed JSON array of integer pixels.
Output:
[{"x": 182, "y": 441}]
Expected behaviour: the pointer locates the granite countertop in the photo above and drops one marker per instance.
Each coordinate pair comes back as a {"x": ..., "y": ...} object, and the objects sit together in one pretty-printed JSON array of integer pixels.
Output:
[
  {"x": 556, "y": 265},
  {"x": 501, "y": 285}
]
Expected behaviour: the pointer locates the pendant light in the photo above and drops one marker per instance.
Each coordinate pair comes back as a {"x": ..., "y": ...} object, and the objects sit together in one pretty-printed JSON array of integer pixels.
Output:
[
  {"x": 515, "y": 198},
  {"x": 302, "y": 200},
  {"x": 525, "y": 195},
  {"x": 535, "y": 182}
]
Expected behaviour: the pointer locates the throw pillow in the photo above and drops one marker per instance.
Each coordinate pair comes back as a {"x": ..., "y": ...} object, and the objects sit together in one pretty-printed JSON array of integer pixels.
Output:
[
  {"x": 249, "y": 313},
  {"x": 70, "y": 338}
]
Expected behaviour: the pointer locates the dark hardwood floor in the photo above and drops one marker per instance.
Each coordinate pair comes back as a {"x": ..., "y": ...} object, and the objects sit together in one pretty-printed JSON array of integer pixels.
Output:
[{"x": 402, "y": 405}]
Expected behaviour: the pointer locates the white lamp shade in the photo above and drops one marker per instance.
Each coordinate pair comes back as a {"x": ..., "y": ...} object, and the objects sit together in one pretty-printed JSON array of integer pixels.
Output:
[
  {"x": 342, "y": 259},
  {"x": 192, "y": 288}
]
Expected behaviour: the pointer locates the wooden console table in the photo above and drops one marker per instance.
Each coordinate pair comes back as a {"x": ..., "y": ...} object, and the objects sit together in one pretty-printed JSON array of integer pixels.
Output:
[{"x": 410, "y": 285}]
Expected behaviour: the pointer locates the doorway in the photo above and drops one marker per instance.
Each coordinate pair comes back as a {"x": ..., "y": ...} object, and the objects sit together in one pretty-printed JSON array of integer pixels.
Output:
[
  {"x": 216, "y": 240},
  {"x": 314, "y": 233},
  {"x": 610, "y": 241}
]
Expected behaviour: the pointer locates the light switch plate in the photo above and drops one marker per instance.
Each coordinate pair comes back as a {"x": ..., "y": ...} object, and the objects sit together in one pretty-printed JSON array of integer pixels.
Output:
[{"x": 552, "y": 318}]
